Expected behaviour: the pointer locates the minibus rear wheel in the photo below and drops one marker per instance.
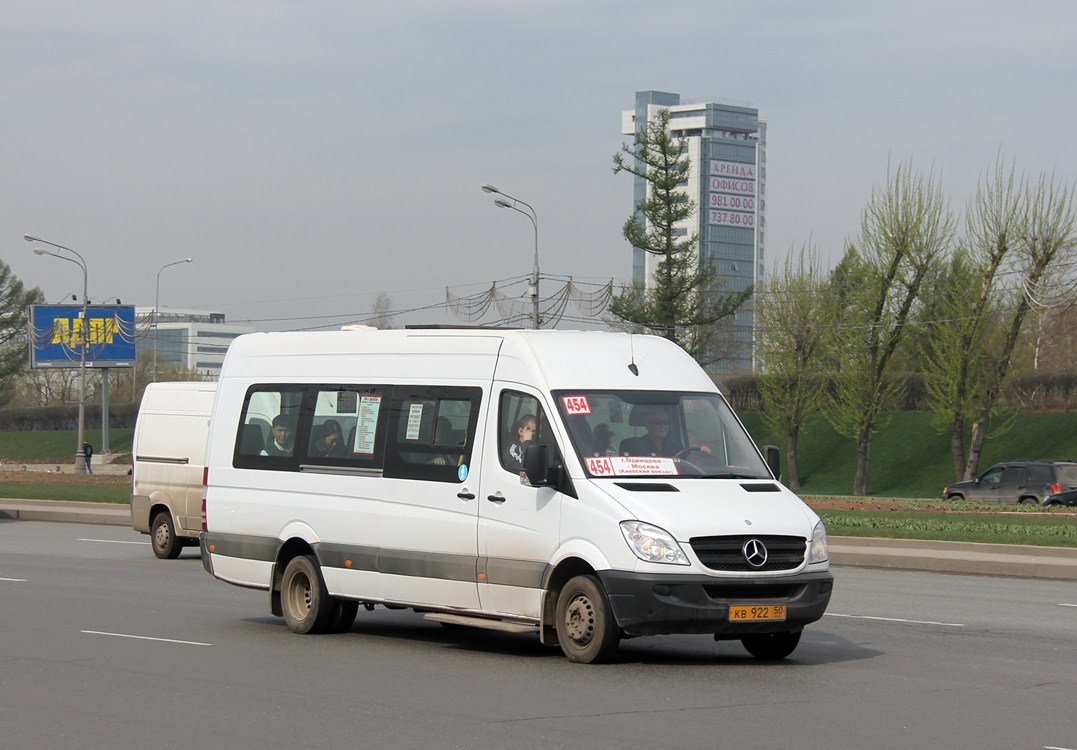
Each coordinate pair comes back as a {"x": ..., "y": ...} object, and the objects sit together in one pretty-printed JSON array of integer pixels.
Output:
[
  {"x": 343, "y": 617},
  {"x": 586, "y": 629},
  {"x": 305, "y": 601}
]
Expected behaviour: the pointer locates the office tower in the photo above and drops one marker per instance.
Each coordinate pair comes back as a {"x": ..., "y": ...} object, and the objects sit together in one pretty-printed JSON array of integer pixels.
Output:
[{"x": 727, "y": 148}]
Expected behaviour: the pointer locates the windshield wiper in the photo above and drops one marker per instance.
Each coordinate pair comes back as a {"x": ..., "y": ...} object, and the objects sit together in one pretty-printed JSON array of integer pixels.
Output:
[{"x": 725, "y": 475}]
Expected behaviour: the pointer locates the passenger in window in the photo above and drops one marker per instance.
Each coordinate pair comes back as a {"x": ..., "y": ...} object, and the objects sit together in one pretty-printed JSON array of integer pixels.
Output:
[
  {"x": 657, "y": 441},
  {"x": 283, "y": 433},
  {"x": 602, "y": 444},
  {"x": 330, "y": 443},
  {"x": 526, "y": 431}
]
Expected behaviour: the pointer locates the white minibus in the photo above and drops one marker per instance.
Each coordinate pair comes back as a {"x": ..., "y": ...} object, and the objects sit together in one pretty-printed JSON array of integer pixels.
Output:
[
  {"x": 581, "y": 486},
  {"x": 168, "y": 453}
]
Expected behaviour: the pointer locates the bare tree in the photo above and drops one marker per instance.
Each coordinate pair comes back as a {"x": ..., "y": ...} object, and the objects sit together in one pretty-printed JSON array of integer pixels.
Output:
[
  {"x": 905, "y": 230},
  {"x": 791, "y": 313},
  {"x": 381, "y": 313},
  {"x": 958, "y": 347},
  {"x": 1043, "y": 235}
]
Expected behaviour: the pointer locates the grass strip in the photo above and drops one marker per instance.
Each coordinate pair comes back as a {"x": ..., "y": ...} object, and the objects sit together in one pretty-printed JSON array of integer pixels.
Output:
[
  {"x": 1045, "y": 531},
  {"x": 76, "y": 492}
]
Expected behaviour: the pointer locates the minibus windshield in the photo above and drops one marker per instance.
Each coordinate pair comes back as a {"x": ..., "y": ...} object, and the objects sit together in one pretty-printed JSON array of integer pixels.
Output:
[{"x": 658, "y": 433}]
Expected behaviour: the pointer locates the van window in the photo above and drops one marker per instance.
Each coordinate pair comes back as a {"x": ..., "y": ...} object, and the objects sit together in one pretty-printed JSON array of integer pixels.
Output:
[
  {"x": 431, "y": 431},
  {"x": 521, "y": 420},
  {"x": 269, "y": 427},
  {"x": 658, "y": 433},
  {"x": 348, "y": 426}
]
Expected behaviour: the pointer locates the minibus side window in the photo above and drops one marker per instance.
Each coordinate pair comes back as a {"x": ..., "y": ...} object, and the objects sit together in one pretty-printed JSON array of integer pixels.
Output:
[
  {"x": 431, "y": 431},
  {"x": 269, "y": 428},
  {"x": 348, "y": 426}
]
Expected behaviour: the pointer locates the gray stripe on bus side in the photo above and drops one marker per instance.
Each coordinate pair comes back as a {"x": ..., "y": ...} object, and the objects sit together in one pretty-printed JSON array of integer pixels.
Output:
[
  {"x": 506, "y": 572},
  {"x": 502, "y": 572},
  {"x": 244, "y": 546}
]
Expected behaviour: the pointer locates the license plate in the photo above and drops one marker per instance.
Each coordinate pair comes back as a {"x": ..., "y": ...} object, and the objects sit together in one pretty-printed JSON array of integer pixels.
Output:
[{"x": 757, "y": 613}]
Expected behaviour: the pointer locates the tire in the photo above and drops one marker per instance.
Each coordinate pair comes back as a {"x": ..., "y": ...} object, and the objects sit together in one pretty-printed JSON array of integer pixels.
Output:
[
  {"x": 1027, "y": 501},
  {"x": 771, "y": 646},
  {"x": 306, "y": 603},
  {"x": 344, "y": 612},
  {"x": 163, "y": 537},
  {"x": 585, "y": 626}
]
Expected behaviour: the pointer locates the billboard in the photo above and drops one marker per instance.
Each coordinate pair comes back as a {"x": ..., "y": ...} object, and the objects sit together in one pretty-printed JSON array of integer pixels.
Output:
[
  {"x": 731, "y": 194},
  {"x": 58, "y": 335}
]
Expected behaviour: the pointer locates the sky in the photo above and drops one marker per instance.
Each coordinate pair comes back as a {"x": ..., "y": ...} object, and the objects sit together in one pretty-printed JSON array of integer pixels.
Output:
[{"x": 310, "y": 156}]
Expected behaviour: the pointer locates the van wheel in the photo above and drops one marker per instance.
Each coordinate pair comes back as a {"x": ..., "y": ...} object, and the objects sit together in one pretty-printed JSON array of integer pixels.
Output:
[
  {"x": 771, "y": 645},
  {"x": 585, "y": 626},
  {"x": 344, "y": 612},
  {"x": 306, "y": 603},
  {"x": 163, "y": 537}
]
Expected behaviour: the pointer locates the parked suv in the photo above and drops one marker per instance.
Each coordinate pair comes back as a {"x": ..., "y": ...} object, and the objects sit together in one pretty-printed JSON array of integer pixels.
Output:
[{"x": 1016, "y": 482}]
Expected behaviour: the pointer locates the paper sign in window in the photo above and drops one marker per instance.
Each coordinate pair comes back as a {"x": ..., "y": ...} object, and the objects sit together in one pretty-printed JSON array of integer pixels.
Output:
[{"x": 367, "y": 425}]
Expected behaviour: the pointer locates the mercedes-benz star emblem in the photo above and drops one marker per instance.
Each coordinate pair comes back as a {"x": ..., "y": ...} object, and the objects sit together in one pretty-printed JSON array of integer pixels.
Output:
[{"x": 755, "y": 552}]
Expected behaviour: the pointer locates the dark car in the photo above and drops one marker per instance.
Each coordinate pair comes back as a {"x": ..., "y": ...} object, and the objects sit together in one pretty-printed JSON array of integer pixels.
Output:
[
  {"x": 1016, "y": 482},
  {"x": 1068, "y": 497}
]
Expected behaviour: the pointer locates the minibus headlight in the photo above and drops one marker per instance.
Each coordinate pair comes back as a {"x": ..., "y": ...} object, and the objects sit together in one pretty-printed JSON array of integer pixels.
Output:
[
  {"x": 652, "y": 544},
  {"x": 817, "y": 551}
]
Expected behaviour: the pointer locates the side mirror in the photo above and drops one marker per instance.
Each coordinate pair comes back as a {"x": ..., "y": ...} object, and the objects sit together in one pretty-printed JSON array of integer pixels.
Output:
[
  {"x": 774, "y": 460},
  {"x": 536, "y": 466}
]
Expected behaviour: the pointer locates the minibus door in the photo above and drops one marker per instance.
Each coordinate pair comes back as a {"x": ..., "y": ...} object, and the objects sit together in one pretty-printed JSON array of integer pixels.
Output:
[{"x": 519, "y": 525}]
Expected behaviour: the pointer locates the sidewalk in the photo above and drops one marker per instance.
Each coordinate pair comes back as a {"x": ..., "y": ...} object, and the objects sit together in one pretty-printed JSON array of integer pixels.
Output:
[
  {"x": 99, "y": 463},
  {"x": 1059, "y": 563}
]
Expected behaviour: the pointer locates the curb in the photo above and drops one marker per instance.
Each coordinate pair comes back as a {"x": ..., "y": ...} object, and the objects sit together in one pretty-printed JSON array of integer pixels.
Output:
[
  {"x": 1015, "y": 560},
  {"x": 111, "y": 514}
]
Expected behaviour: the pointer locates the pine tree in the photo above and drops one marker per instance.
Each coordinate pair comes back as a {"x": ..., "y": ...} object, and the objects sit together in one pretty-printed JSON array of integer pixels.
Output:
[{"x": 683, "y": 302}]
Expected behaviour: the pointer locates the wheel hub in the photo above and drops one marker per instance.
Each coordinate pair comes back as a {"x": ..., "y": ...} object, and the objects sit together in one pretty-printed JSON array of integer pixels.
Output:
[{"x": 580, "y": 620}]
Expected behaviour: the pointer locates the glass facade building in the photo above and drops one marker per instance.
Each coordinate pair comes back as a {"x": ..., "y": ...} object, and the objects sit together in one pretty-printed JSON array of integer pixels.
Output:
[
  {"x": 191, "y": 339},
  {"x": 727, "y": 148}
]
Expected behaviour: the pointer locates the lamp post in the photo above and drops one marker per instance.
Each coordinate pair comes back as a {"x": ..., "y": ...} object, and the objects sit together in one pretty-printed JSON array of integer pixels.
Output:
[
  {"x": 529, "y": 213},
  {"x": 156, "y": 302},
  {"x": 80, "y": 456}
]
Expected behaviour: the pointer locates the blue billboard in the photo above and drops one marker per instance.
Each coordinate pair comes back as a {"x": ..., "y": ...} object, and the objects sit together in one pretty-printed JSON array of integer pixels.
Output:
[{"x": 58, "y": 335}]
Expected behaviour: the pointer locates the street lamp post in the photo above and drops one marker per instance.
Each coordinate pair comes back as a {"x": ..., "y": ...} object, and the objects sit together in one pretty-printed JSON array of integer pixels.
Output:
[
  {"x": 529, "y": 213},
  {"x": 80, "y": 455},
  {"x": 156, "y": 302}
]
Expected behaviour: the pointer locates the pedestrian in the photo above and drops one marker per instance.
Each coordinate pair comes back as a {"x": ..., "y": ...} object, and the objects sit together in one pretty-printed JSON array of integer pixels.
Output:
[{"x": 87, "y": 451}]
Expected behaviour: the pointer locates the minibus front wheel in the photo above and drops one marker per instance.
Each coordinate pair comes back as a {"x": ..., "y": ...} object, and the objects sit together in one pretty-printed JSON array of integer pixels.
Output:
[
  {"x": 586, "y": 629},
  {"x": 771, "y": 646},
  {"x": 305, "y": 601}
]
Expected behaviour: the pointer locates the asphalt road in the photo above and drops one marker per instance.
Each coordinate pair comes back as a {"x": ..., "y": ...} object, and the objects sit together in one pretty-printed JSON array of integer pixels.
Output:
[{"x": 104, "y": 646}]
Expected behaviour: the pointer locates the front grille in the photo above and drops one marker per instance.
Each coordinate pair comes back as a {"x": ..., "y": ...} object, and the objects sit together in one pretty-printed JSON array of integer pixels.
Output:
[{"x": 726, "y": 552}]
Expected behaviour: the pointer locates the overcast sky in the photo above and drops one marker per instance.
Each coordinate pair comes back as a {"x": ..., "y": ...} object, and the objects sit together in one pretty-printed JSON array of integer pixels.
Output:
[{"x": 311, "y": 155}]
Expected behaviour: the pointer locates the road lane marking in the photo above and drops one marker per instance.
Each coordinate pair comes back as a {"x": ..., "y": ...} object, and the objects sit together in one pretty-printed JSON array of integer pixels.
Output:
[
  {"x": 1063, "y": 604},
  {"x": 145, "y": 638},
  {"x": 896, "y": 619},
  {"x": 14, "y": 580},
  {"x": 111, "y": 541},
  {"x": 1056, "y": 747}
]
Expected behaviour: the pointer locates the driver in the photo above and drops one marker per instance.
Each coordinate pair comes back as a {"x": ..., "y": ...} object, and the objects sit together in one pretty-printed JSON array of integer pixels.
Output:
[{"x": 657, "y": 441}]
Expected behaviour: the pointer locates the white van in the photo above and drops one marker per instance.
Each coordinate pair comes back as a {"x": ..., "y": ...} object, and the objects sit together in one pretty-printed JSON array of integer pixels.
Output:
[
  {"x": 168, "y": 457},
  {"x": 513, "y": 480}
]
